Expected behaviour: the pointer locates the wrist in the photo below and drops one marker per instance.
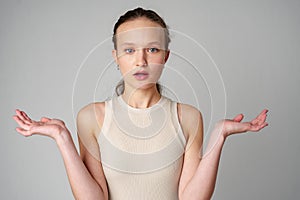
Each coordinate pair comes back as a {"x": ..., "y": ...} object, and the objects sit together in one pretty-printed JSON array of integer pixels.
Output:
[
  {"x": 63, "y": 138},
  {"x": 221, "y": 131}
]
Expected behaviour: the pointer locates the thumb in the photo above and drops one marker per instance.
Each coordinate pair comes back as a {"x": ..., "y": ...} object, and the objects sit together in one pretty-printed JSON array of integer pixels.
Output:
[
  {"x": 45, "y": 119},
  {"x": 238, "y": 118}
]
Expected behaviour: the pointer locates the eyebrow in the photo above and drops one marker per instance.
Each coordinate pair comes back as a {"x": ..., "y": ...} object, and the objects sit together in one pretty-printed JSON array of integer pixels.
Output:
[{"x": 132, "y": 43}]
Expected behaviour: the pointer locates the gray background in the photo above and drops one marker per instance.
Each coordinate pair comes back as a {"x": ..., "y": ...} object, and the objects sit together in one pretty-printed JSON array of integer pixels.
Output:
[{"x": 255, "y": 44}]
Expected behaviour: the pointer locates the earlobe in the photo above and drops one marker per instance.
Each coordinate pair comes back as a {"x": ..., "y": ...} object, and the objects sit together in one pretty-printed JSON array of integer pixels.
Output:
[{"x": 114, "y": 54}]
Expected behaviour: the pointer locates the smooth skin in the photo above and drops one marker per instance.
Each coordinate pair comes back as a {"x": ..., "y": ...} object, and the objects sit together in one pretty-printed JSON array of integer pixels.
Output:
[{"x": 85, "y": 171}]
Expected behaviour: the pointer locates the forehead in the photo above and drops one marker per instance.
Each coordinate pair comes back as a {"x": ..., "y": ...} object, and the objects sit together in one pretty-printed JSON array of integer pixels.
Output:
[
  {"x": 137, "y": 23},
  {"x": 140, "y": 32},
  {"x": 141, "y": 36}
]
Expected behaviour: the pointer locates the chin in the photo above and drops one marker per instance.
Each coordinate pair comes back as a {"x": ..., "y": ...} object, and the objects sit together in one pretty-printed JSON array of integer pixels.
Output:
[
  {"x": 143, "y": 86},
  {"x": 146, "y": 86}
]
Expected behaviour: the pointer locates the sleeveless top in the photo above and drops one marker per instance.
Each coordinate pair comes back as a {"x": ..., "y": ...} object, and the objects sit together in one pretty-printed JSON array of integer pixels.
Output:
[{"x": 141, "y": 150}]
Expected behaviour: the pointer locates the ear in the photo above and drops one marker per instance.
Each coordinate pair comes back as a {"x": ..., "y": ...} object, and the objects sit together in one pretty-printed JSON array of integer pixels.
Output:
[
  {"x": 167, "y": 55},
  {"x": 115, "y": 56}
]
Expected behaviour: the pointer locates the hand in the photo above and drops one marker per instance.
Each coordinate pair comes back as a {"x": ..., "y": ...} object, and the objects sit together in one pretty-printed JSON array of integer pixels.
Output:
[
  {"x": 235, "y": 125},
  {"x": 48, "y": 127}
]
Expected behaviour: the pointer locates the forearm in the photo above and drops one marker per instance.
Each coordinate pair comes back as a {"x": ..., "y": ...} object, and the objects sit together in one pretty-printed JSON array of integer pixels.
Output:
[
  {"x": 82, "y": 183},
  {"x": 202, "y": 185}
]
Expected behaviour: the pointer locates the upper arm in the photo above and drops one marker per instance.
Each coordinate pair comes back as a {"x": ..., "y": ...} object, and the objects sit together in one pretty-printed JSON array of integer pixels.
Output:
[
  {"x": 89, "y": 122},
  {"x": 191, "y": 122}
]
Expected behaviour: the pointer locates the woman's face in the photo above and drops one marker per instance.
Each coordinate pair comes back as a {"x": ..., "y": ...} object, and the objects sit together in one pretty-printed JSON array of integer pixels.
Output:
[{"x": 140, "y": 52}]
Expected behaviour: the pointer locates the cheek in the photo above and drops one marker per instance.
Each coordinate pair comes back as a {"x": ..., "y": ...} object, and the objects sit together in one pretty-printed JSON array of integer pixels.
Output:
[
  {"x": 157, "y": 59},
  {"x": 156, "y": 71},
  {"x": 156, "y": 65},
  {"x": 124, "y": 64}
]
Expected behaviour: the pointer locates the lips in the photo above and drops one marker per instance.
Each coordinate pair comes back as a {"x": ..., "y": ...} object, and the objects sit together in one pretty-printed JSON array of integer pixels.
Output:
[{"x": 141, "y": 75}]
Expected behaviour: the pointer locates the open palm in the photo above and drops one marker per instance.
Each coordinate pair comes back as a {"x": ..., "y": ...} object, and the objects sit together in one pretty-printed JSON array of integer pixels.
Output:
[
  {"x": 235, "y": 125},
  {"x": 46, "y": 126}
]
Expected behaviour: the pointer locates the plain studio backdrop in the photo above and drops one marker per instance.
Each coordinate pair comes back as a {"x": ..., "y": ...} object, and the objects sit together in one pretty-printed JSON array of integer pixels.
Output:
[{"x": 254, "y": 46}]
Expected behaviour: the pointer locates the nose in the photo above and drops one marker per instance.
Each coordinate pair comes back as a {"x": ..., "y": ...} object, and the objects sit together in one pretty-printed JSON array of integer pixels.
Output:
[{"x": 141, "y": 58}]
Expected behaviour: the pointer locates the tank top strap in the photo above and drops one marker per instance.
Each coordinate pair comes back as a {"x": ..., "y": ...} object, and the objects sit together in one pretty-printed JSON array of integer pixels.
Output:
[
  {"x": 176, "y": 123},
  {"x": 107, "y": 116}
]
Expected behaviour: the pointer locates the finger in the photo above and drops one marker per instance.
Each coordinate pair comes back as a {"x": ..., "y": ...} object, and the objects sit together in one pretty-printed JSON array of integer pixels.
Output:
[
  {"x": 238, "y": 118},
  {"x": 57, "y": 121},
  {"x": 24, "y": 115},
  {"x": 18, "y": 113},
  {"x": 45, "y": 119},
  {"x": 263, "y": 114},
  {"x": 21, "y": 123},
  {"x": 264, "y": 111},
  {"x": 259, "y": 127},
  {"x": 21, "y": 116},
  {"x": 261, "y": 118},
  {"x": 23, "y": 131}
]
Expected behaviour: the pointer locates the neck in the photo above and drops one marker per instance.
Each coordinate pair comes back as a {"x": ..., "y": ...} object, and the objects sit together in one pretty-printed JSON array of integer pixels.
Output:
[{"x": 141, "y": 98}]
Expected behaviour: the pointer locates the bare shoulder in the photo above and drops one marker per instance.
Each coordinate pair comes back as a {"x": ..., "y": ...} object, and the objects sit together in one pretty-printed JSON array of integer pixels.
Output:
[
  {"x": 188, "y": 109},
  {"x": 190, "y": 119},
  {"x": 188, "y": 114},
  {"x": 90, "y": 117}
]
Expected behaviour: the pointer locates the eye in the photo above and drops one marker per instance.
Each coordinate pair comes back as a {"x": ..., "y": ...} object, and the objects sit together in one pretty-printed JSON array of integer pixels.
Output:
[
  {"x": 129, "y": 50},
  {"x": 153, "y": 50}
]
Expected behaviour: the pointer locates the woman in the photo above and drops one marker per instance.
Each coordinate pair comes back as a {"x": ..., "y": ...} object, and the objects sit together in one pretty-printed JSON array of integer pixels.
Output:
[{"x": 140, "y": 144}]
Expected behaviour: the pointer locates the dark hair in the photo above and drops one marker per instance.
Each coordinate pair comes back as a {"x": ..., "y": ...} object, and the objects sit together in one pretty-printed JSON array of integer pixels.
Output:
[
  {"x": 138, "y": 13},
  {"x": 134, "y": 14}
]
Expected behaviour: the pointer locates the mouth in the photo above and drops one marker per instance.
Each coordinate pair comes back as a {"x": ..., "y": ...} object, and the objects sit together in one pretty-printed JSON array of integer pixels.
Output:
[{"x": 141, "y": 75}]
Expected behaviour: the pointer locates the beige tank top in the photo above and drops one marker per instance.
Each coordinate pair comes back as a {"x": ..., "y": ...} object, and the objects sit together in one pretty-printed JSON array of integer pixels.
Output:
[{"x": 142, "y": 150}]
